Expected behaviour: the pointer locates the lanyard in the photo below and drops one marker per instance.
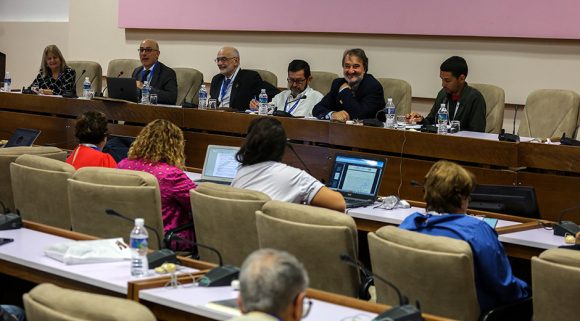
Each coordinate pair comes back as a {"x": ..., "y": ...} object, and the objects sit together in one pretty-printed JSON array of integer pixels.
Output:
[
  {"x": 293, "y": 107},
  {"x": 150, "y": 73},
  {"x": 225, "y": 84},
  {"x": 93, "y": 146}
]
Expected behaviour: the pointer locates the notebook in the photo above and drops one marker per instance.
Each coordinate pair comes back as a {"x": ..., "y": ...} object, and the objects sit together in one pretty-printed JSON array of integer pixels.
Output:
[
  {"x": 357, "y": 178},
  {"x": 122, "y": 88},
  {"x": 23, "y": 137},
  {"x": 220, "y": 165}
]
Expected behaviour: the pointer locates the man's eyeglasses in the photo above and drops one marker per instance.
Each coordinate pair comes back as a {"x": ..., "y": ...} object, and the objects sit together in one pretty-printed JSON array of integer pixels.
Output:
[
  {"x": 147, "y": 50},
  {"x": 306, "y": 307},
  {"x": 296, "y": 81},
  {"x": 223, "y": 59}
]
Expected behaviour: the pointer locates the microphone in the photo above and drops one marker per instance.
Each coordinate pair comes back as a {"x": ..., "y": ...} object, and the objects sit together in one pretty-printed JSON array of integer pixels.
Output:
[
  {"x": 404, "y": 312},
  {"x": 185, "y": 98},
  {"x": 566, "y": 227},
  {"x": 298, "y": 156},
  {"x": 102, "y": 93},
  {"x": 569, "y": 140},
  {"x": 73, "y": 92},
  {"x": 155, "y": 258},
  {"x": 173, "y": 237},
  {"x": 9, "y": 221},
  {"x": 515, "y": 117}
]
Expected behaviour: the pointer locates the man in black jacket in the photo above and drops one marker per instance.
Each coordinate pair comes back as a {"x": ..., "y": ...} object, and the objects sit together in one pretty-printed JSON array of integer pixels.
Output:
[{"x": 161, "y": 78}]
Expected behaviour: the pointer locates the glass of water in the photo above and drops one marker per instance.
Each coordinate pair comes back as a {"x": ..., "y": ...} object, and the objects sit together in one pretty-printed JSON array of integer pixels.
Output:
[
  {"x": 212, "y": 104},
  {"x": 401, "y": 121},
  {"x": 455, "y": 126},
  {"x": 153, "y": 99}
]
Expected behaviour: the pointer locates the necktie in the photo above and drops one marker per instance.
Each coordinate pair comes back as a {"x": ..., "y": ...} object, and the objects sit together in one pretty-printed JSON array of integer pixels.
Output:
[
  {"x": 225, "y": 87},
  {"x": 145, "y": 75}
]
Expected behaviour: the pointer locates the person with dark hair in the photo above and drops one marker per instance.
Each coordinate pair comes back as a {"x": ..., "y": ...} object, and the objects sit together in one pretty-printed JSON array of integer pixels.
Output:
[
  {"x": 464, "y": 103},
  {"x": 261, "y": 169},
  {"x": 91, "y": 131},
  {"x": 161, "y": 78},
  {"x": 448, "y": 187},
  {"x": 299, "y": 99},
  {"x": 356, "y": 96},
  {"x": 54, "y": 77}
]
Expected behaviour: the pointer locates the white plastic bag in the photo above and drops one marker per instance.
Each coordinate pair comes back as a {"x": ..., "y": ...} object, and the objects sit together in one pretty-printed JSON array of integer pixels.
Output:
[{"x": 94, "y": 251}]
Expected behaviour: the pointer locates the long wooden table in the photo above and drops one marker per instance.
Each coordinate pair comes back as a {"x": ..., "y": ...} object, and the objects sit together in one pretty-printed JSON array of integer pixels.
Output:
[{"x": 553, "y": 170}]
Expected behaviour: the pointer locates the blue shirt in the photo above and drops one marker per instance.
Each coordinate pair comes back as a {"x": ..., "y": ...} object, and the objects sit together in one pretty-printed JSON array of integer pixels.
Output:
[{"x": 494, "y": 281}]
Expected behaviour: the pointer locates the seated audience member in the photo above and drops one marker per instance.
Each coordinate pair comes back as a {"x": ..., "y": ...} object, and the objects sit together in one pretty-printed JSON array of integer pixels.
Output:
[
  {"x": 356, "y": 96},
  {"x": 91, "y": 131},
  {"x": 447, "y": 190},
  {"x": 464, "y": 103},
  {"x": 161, "y": 78},
  {"x": 234, "y": 87},
  {"x": 261, "y": 169},
  {"x": 299, "y": 99},
  {"x": 54, "y": 77},
  {"x": 272, "y": 287},
  {"x": 11, "y": 313},
  {"x": 159, "y": 150}
]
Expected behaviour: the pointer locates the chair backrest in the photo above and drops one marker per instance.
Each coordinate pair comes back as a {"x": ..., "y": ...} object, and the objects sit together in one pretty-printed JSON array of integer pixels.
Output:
[
  {"x": 224, "y": 218},
  {"x": 436, "y": 271},
  {"x": 401, "y": 93},
  {"x": 48, "y": 302},
  {"x": 549, "y": 113},
  {"x": 8, "y": 155},
  {"x": 555, "y": 279},
  {"x": 125, "y": 65},
  {"x": 494, "y": 97},
  {"x": 189, "y": 81},
  {"x": 317, "y": 237},
  {"x": 267, "y": 76},
  {"x": 39, "y": 187},
  {"x": 322, "y": 81},
  {"x": 134, "y": 194},
  {"x": 92, "y": 69}
]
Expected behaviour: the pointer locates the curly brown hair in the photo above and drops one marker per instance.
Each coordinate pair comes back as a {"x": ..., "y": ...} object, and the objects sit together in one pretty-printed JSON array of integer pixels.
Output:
[
  {"x": 160, "y": 141},
  {"x": 91, "y": 127}
]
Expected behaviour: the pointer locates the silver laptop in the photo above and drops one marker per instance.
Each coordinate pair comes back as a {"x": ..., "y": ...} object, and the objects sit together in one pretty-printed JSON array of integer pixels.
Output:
[
  {"x": 23, "y": 137},
  {"x": 357, "y": 178},
  {"x": 220, "y": 165}
]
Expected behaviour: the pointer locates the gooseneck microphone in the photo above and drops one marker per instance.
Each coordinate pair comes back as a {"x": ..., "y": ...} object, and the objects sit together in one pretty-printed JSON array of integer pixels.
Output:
[
  {"x": 102, "y": 93},
  {"x": 117, "y": 214},
  {"x": 561, "y": 228},
  {"x": 298, "y": 156},
  {"x": 185, "y": 97},
  {"x": 174, "y": 237},
  {"x": 72, "y": 93}
]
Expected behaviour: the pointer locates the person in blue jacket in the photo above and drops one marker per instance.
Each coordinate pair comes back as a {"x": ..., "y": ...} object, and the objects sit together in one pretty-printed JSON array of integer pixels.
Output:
[{"x": 447, "y": 191}]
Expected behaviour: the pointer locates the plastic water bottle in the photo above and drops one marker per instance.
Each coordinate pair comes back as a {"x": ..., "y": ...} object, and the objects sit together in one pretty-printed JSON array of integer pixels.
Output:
[
  {"x": 442, "y": 120},
  {"x": 263, "y": 103},
  {"x": 86, "y": 88},
  {"x": 145, "y": 93},
  {"x": 139, "y": 244},
  {"x": 390, "y": 114},
  {"x": 7, "y": 82},
  {"x": 202, "y": 98}
]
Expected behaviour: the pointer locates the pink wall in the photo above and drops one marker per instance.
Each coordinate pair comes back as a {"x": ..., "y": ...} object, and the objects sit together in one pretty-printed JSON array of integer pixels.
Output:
[{"x": 558, "y": 19}]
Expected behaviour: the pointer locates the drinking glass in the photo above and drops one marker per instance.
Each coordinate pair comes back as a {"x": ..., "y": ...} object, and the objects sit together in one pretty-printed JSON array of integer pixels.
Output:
[
  {"x": 153, "y": 99},
  {"x": 455, "y": 126},
  {"x": 212, "y": 104}
]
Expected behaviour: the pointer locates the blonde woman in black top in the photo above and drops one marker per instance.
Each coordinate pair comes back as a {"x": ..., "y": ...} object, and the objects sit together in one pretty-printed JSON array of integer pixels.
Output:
[{"x": 54, "y": 77}]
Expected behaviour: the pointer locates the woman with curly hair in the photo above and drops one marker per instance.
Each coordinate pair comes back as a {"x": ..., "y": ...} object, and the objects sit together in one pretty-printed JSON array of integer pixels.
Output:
[
  {"x": 91, "y": 131},
  {"x": 159, "y": 150}
]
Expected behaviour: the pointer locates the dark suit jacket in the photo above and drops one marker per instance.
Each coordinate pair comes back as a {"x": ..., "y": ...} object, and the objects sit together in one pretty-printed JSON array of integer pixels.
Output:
[
  {"x": 245, "y": 87},
  {"x": 360, "y": 104},
  {"x": 163, "y": 83},
  {"x": 471, "y": 111}
]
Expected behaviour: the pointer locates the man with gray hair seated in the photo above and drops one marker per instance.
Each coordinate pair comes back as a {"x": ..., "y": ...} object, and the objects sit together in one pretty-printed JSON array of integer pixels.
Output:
[{"x": 272, "y": 287}]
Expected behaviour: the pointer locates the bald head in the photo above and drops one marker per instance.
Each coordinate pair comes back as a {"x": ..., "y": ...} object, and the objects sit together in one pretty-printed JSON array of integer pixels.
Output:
[
  {"x": 149, "y": 52},
  {"x": 228, "y": 60}
]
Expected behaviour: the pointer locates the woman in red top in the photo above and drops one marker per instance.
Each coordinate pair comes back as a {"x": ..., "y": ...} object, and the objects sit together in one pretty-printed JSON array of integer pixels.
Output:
[{"x": 91, "y": 130}]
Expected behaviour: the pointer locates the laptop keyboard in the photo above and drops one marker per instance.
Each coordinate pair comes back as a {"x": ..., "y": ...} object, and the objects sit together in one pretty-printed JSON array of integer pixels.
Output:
[{"x": 354, "y": 202}]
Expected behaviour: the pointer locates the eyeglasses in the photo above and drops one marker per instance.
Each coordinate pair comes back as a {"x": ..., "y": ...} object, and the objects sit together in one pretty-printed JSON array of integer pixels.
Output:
[
  {"x": 306, "y": 307},
  {"x": 223, "y": 59},
  {"x": 296, "y": 81},
  {"x": 147, "y": 50}
]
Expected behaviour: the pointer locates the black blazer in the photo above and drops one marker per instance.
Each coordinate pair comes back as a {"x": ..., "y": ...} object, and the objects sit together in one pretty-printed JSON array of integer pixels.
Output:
[
  {"x": 245, "y": 87},
  {"x": 360, "y": 104},
  {"x": 163, "y": 83}
]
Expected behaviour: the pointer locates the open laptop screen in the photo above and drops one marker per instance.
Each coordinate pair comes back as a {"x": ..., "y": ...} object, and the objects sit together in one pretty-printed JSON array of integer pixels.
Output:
[
  {"x": 23, "y": 137},
  {"x": 220, "y": 162},
  {"x": 357, "y": 175}
]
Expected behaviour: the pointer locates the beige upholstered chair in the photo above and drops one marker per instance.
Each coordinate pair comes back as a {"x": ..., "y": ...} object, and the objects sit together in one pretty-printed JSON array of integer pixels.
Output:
[
  {"x": 189, "y": 81},
  {"x": 48, "y": 302},
  {"x": 8, "y": 155},
  {"x": 555, "y": 279},
  {"x": 549, "y": 113},
  {"x": 39, "y": 186},
  {"x": 436, "y": 271},
  {"x": 224, "y": 218},
  {"x": 116, "y": 66},
  {"x": 267, "y": 76},
  {"x": 400, "y": 91},
  {"x": 93, "y": 71},
  {"x": 495, "y": 104},
  {"x": 317, "y": 237},
  {"x": 134, "y": 194},
  {"x": 578, "y": 126},
  {"x": 322, "y": 81}
]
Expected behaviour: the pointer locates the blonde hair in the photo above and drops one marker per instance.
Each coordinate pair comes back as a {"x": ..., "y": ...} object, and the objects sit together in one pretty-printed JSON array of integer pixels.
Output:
[
  {"x": 51, "y": 49},
  {"x": 159, "y": 142},
  {"x": 446, "y": 185}
]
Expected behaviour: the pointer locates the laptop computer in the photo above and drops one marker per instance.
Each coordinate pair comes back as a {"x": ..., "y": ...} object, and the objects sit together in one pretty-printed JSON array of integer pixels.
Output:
[
  {"x": 220, "y": 165},
  {"x": 122, "y": 88},
  {"x": 357, "y": 178},
  {"x": 23, "y": 137}
]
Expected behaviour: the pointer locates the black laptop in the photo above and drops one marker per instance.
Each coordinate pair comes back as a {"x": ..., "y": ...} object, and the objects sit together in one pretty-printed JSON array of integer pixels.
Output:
[
  {"x": 23, "y": 137},
  {"x": 122, "y": 88},
  {"x": 357, "y": 178}
]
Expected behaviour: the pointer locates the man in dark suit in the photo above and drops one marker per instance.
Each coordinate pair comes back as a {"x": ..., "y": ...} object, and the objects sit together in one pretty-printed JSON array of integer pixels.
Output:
[
  {"x": 356, "y": 96},
  {"x": 161, "y": 78},
  {"x": 234, "y": 87}
]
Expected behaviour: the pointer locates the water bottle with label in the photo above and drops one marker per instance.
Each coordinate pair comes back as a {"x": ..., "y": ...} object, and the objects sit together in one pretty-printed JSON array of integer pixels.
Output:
[
  {"x": 390, "y": 114},
  {"x": 7, "y": 82},
  {"x": 263, "y": 103},
  {"x": 86, "y": 88},
  {"x": 139, "y": 244},
  {"x": 145, "y": 93},
  {"x": 202, "y": 98},
  {"x": 442, "y": 120}
]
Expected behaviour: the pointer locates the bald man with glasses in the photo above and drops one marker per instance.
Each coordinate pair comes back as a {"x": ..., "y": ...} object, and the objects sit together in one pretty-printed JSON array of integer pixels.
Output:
[
  {"x": 234, "y": 87},
  {"x": 161, "y": 78}
]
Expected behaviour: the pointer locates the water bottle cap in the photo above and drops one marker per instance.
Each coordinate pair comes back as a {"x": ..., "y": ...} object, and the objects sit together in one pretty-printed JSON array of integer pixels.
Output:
[
  {"x": 7, "y": 74},
  {"x": 139, "y": 222},
  {"x": 86, "y": 78},
  {"x": 390, "y": 99},
  {"x": 203, "y": 86},
  {"x": 263, "y": 91}
]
